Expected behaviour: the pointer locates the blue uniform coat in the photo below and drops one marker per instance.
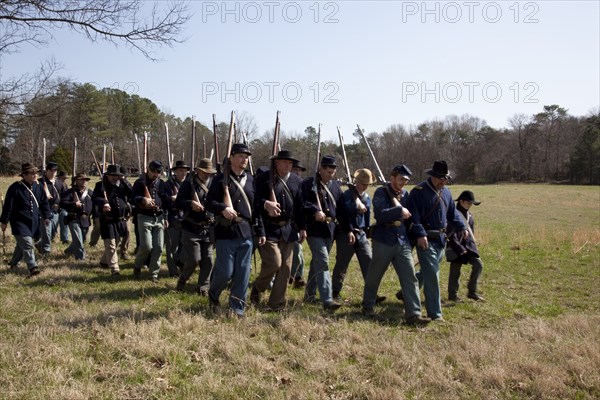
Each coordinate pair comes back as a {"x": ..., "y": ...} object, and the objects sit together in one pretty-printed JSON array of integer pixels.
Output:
[{"x": 22, "y": 211}]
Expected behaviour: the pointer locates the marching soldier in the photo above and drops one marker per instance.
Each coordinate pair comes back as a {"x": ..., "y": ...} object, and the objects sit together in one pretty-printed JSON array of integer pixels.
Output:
[
  {"x": 77, "y": 201},
  {"x": 355, "y": 212},
  {"x": 63, "y": 227},
  {"x": 432, "y": 209},
  {"x": 197, "y": 247},
  {"x": 110, "y": 196},
  {"x": 320, "y": 207},
  {"x": 173, "y": 237},
  {"x": 233, "y": 231},
  {"x": 391, "y": 244},
  {"x": 297, "y": 274},
  {"x": 124, "y": 241},
  {"x": 25, "y": 206},
  {"x": 151, "y": 201},
  {"x": 280, "y": 216},
  {"x": 51, "y": 187}
]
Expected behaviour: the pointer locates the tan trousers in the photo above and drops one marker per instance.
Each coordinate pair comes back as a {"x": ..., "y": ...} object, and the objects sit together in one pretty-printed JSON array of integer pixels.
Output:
[
  {"x": 109, "y": 256},
  {"x": 276, "y": 261}
]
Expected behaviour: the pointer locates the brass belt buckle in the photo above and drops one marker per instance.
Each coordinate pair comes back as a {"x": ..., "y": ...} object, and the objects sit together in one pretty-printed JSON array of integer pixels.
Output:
[{"x": 397, "y": 223}]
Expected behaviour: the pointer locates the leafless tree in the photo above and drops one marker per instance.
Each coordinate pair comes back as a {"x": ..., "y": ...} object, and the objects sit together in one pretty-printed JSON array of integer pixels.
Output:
[{"x": 141, "y": 25}]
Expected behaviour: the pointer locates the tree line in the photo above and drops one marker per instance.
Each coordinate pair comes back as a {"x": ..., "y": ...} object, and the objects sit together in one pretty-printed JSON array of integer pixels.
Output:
[{"x": 550, "y": 146}]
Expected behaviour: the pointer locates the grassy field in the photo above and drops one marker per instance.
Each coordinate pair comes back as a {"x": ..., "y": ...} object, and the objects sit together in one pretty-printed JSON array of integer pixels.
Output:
[{"x": 73, "y": 332}]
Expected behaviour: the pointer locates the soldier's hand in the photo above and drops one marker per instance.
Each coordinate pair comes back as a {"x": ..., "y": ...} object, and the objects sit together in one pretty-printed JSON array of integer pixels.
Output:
[
  {"x": 351, "y": 238},
  {"x": 3, "y": 227},
  {"x": 272, "y": 208},
  {"x": 262, "y": 240},
  {"x": 78, "y": 204},
  {"x": 360, "y": 207},
  {"x": 106, "y": 208},
  {"x": 464, "y": 235},
  {"x": 197, "y": 206},
  {"x": 320, "y": 216},
  {"x": 302, "y": 236},
  {"x": 46, "y": 222},
  {"x": 405, "y": 213},
  {"x": 229, "y": 213},
  {"x": 166, "y": 223},
  {"x": 423, "y": 243}
]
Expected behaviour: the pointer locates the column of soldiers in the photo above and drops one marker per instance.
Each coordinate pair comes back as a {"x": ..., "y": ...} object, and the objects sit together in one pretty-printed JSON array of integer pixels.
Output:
[{"x": 198, "y": 212}]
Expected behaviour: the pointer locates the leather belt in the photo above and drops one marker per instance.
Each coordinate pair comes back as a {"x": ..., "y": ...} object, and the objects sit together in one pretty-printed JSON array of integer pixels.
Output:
[
  {"x": 393, "y": 223},
  {"x": 280, "y": 223}
]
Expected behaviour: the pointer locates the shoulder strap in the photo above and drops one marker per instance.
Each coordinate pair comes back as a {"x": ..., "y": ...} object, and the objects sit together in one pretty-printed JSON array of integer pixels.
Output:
[
  {"x": 32, "y": 195},
  {"x": 243, "y": 193}
]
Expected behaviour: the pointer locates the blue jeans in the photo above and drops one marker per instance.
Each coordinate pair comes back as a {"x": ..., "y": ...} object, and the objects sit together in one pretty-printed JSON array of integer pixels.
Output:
[
  {"x": 232, "y": 263},
  {"x": 24, "y": 251},
  {"x": 64, "y": 228},
  {"x": 48, "y": 232},
  {"x": 76, "y": 247},
  {"x": 345, "y": 251},
  {"x": 151, "y": 242},
  {"x": 297, "y": 261},
  {"x": 318, "y": 274},
  {"x": 429, "y": 277},
  {"x": 400, "y": 256}
]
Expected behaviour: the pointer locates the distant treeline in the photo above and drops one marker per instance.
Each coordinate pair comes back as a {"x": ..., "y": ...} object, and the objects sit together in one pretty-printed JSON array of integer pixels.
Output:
[{"x": 551, "y": 146}]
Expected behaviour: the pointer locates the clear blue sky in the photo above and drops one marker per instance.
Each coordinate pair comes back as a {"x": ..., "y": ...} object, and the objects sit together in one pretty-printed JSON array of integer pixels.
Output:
[{"x": 374, "y": 63}]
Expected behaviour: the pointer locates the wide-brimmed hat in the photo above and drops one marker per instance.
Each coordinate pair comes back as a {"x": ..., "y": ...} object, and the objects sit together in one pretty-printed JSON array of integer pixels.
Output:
[
  {"x": 297, "y": 164},
  {"x": 80, "y": 175},
  {"x": 61, "y": 174},
  {"x": 180, "y": 164},
  {"x": 284, "y": 155},
  {"x": 439, "y": 170},
  {"x": 328, "y": 161},
  {"x": 51, "y": 166},
  {"x": 205, "y": 165},
  {"x": 123, "y": 170},
  {"x": 113, "y": 169},
  {"x": 364, "y": 176},
  {"x": 28, "y": 167},
  {"x": 467, "y": 195},
  {"x": 403, "y": 171},
  {"x": 240, "y": 148}
]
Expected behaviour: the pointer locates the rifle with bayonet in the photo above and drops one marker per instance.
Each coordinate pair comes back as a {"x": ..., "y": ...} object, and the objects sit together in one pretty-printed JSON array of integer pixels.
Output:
[
  {"x": 216, "y": 148},
  {"x": 380, "y": 175},
  {"x": 272, "y": 171},
  {"x": 226, "y": 163},
  {"x": 361, "y": 208},
  {"x": 44, "y": 184},
  {"x": 137, "y": 148},
  {"x": 316, "y": 183},
  {"x": 101, "y": 172},
  {"x": 169, "y": 162},
  {"x": 74, "y": 182},
  {"x": 112, "y": 153},
  {"x": 192, "y": 173}
]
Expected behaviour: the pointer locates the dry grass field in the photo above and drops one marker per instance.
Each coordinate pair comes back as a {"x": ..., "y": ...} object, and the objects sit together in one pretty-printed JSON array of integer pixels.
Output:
[{"x": 74, "y": 332}]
